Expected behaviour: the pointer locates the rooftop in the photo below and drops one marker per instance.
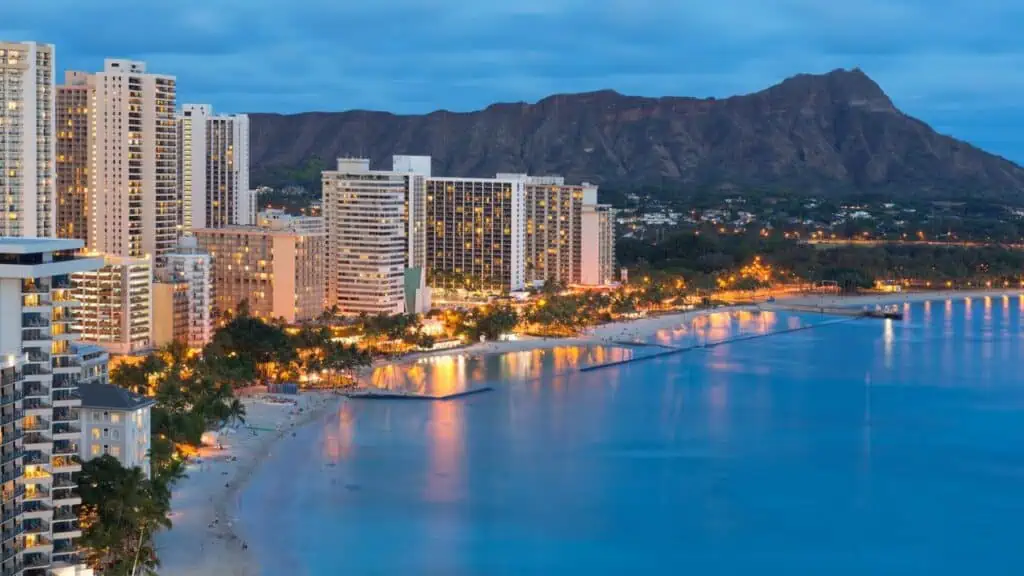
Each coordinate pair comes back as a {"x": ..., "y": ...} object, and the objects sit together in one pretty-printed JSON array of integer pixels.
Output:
[
  {"x": 19, "y": 245},
  {"x": 111, "y": 397}
]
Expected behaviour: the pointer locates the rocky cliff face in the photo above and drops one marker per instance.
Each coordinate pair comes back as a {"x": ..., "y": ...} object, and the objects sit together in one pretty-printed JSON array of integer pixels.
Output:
[{"x": 833, "y": 133}]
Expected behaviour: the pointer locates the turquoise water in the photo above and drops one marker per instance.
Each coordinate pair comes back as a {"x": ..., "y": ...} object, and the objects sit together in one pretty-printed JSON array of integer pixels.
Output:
[{"x": 857, "y": 448}]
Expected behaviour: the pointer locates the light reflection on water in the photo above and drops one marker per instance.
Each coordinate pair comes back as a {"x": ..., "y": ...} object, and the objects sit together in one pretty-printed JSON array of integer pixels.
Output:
[
  {"x": 458, "y": 372},
  {"x": 866, "y": 447}
]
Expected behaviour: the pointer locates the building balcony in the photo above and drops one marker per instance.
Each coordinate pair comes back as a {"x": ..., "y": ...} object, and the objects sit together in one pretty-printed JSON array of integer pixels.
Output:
[
  {"x": 36, "y": 403},
  {"x": 65, "y": 382},
  {"x": 65, "y": 415},
  {"x": 36, "y": 493},
  {"x": 36, "y": 552},
  {"x": 33, "y": 440},
  {"x": 10, "y": 496},
  {"x": 65, "y": 448},
  {"x": 10, "y": 398},
  {"x": 35, "y": 371},
  {"x": 35, "y": 390},
  {"x": 10, "y": 456},
  {"x": 36, "y": 526},
  {"x": 36, "y": 425},
  {"x": 11, "y": 474},
  {"x": 67, "y": 529},
  {"x": 66, "y": 497},
  {"x": 8, "y": 534},
  {"x": 10, "y": 417},
  {"x": 65, "y": 464},
  {"x": 35, "y": 336},
  {"x": 37, "y": 509},
  {"x": 66, "y": 431}
]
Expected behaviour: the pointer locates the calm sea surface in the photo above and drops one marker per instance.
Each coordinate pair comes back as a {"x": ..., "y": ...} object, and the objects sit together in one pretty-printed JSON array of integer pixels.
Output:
[{"x": 864, "y": 447}]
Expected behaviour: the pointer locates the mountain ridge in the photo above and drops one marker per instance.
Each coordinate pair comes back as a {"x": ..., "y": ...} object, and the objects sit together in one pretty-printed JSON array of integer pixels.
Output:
[{"x": 835, "y": 133}]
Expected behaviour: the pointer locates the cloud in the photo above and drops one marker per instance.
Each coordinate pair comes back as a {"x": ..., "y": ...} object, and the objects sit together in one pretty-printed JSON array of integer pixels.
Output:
[{"x": 950, "y": 62}]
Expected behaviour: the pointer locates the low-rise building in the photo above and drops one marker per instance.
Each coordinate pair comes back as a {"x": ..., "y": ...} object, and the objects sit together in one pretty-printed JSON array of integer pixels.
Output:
[
  {"x": 170, "y": 312},
  {"x": 115, "y": 309},
  {"x": 115, "y": 421},
  {"x": 194, "y": 267}
]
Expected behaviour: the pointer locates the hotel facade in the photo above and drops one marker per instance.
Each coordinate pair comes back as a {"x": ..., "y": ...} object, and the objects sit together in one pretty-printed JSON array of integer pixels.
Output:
[
  {"x": 213, "y": 169},
  {"x": 278, "y": 272},
  {"x": 375, "y": 242},
  {"x": 133, "y": 206},
  {"x": 72, "y": 171},
  {"x": 39, "y": 404},
  {"x": 597, "y": 252},
  {"x": 27, "y": 145},
  {"x": 475, "y": 231},
  {"x": 194, "y": 268},
  {"x": 116, "y": 305}
]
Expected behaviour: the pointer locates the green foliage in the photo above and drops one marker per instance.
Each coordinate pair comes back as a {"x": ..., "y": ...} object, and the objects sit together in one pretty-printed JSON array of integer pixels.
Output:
[
  {"x": 698, "y": 258},
  {"x": 308, "y": 175},
  {"x": 120, "y": 512},
  {"x": 489, "y": 322}
]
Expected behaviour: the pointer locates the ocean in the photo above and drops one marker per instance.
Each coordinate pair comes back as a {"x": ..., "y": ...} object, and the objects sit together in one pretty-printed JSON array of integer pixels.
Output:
[{"x": 854, "y": 448}]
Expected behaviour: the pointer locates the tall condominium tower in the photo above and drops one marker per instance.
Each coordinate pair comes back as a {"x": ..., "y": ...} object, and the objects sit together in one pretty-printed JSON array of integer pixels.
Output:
[
  {"x": 39, "y": 375},
  {"x": 134, "y": 209},
  {"x": 476, "y": 232},
  {"x": 213, "y": 169},
  {"x": 72, "y": 133},
  {"x": 597, "y": 254},
  {"x": 26, "y": 139},
  {"x": 375, "y": 235}
]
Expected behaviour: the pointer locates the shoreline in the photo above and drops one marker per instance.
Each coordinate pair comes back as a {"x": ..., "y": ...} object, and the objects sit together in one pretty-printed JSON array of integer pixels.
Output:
[
  {"x": 632, "y": 332},
  {"x": 890, "y": 298},
  {"x": 205, "y": 541}
]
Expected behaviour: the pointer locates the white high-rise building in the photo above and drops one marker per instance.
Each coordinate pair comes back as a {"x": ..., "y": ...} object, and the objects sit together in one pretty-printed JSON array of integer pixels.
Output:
[
  {"x": 27, "y": 145},
  {"x": 133, "y": 205},
  {"x": 213, "y": 170},
  {"x": 194, "y": 267},
  {"x": 39, "y": 404},
  {"x": 597, "y": 254},
  {"x": 375, "y": 230},
  {"x": 115, "y": 305}
]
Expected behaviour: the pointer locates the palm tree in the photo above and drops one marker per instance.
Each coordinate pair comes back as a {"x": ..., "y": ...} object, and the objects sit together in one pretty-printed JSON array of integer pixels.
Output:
[{"x": 236, "y": 411}]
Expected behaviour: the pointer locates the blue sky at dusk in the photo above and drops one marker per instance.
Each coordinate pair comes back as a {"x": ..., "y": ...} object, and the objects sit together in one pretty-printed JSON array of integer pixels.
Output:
[{"x": 957, "y": 64}]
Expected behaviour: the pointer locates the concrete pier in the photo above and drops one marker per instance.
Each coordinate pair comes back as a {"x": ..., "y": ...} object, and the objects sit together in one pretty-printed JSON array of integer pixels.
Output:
[{"x": 381, "y": 394}]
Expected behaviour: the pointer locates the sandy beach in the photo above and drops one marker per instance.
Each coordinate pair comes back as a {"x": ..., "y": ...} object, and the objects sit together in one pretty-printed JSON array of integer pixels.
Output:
[{"x": 202, "y": 541}]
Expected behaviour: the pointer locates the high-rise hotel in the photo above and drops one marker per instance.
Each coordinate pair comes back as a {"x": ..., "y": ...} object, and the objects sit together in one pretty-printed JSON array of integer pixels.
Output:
[
  {"x": 132, "y": 204},
  {"x": 39, "y": 375},
  {"x": 554, "y": 228},
  {"x": 27, "y": 147},
  {"x": 375, "y": 246},
  {"x": 476, "y": 232},
  {"x": 73, "y": 145},
  {"x": 213, "y": 169}
]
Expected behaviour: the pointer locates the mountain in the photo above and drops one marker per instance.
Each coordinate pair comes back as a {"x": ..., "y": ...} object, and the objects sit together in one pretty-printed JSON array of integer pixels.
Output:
[{"x": 834, "y": 133}]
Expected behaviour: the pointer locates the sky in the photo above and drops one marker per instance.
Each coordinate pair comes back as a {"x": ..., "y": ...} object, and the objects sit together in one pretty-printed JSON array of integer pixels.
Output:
[{"x": 956, "y": 64}]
